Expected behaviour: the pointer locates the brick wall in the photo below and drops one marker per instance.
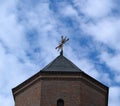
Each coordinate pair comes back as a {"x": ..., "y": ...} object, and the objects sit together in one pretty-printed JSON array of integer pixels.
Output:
[
  {"x": 91, "y": 96},
  {"x": 29, "y": 96},
  {"x": 74, "y": 90},
  {"x": 53, "y": 90}
]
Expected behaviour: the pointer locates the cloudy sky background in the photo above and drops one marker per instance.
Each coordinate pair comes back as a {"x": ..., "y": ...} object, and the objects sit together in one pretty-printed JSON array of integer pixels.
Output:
[{"x": 31, "y": 29}]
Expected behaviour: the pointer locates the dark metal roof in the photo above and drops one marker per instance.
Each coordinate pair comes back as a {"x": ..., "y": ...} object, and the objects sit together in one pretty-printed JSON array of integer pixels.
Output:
[{"x": 61, "y": 64}]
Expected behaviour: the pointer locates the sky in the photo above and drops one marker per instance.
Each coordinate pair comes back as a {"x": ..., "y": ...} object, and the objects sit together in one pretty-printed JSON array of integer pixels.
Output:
[{"x": 31, "y": 29}]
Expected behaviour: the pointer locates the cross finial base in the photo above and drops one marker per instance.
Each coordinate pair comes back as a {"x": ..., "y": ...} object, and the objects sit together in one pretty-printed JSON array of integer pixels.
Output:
[{"x": 61, "y": 52}]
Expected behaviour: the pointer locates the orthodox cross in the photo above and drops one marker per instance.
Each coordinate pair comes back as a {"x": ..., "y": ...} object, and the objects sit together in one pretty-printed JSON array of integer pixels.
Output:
[{"x": 61, "y": 44}]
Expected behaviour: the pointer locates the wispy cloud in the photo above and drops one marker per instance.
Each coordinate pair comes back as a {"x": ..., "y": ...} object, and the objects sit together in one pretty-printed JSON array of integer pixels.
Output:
[
  {"x": 114, "y": 96},
  {"x": 96, "y": 9}
]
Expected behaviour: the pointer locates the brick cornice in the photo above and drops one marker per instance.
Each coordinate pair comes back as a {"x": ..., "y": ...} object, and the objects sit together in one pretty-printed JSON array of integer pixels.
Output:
[{"x": 76, "y": 76}]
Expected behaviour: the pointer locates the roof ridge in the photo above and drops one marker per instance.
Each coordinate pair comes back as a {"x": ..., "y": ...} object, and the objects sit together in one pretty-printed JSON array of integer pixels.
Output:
[
  {"x": 61, "y": 63},
  {"x": 72, "y": 63},
  {"x": 50, "y": 63}
]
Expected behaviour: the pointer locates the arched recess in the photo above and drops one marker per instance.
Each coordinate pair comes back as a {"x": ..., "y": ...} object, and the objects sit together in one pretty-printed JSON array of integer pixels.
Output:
[{"x": 60, "y": 102}]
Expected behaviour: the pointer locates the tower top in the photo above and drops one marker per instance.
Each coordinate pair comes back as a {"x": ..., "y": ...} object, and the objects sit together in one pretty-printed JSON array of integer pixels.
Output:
[{"x": 61, "y": 44}]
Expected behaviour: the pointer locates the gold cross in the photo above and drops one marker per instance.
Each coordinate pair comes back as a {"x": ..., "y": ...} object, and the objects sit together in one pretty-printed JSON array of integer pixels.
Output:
[{"x": 62, "y": 42}]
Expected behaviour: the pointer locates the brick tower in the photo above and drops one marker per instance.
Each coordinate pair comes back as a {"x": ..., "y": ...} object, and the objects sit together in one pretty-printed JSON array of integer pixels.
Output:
[{"x": 61, "y": 83}]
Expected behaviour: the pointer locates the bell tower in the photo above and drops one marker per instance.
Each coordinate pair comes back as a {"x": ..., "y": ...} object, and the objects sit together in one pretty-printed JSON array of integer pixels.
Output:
[{"x": 61, "y": 83}]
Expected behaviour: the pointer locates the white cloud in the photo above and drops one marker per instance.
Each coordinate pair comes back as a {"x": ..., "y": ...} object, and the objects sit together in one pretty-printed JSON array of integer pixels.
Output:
[
  {"x": 12, "y": 47},
  {"x": 114, "y": 96},
  {"x": 11, "y": 33},
  {"x": 6, "y": 100},
  {"x": 106, "y": 31},
  {"x": 12, "y": 73},
  {"x": 117, "y": 77},
  {"x": 96, "y": 8},
  {"x": 68, "y": 10},
  {"x": 111, "y": 60}
]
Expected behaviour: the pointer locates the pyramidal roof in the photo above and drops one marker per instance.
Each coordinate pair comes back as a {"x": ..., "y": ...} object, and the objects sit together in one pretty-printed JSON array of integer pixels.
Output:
[{"x": 61, "y": 64}]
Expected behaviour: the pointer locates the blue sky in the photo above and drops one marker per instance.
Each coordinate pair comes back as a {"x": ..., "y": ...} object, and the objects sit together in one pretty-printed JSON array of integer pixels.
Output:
[{"x": 31, "y": 29}]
